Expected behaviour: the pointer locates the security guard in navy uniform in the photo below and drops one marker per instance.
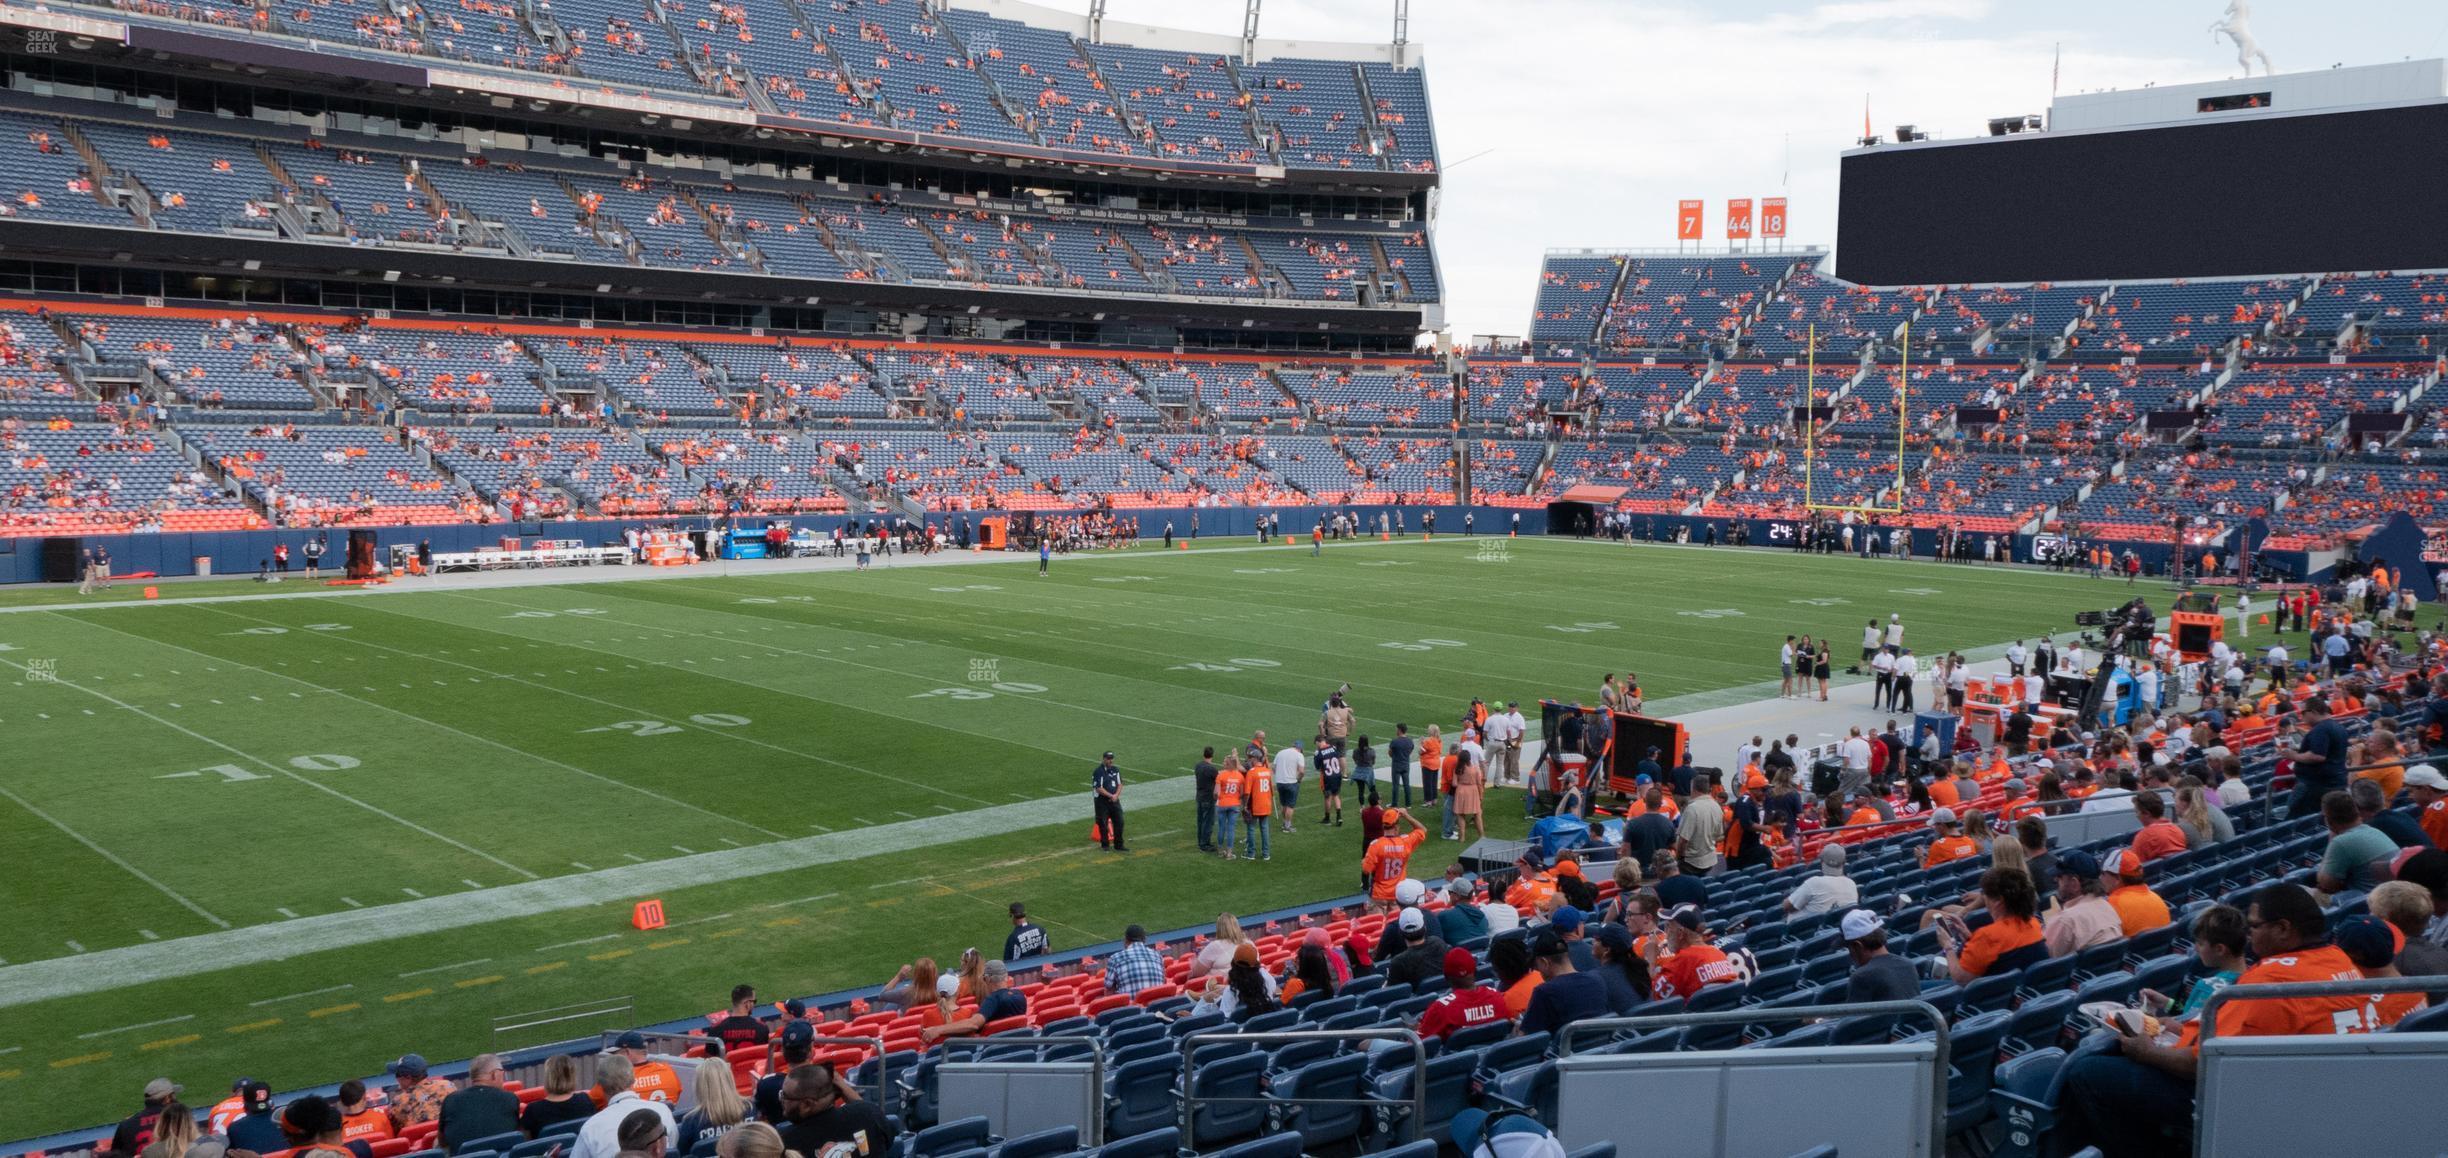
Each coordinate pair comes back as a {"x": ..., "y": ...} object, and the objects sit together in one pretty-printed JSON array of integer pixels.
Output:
[{"x": 1107, "y": 781}]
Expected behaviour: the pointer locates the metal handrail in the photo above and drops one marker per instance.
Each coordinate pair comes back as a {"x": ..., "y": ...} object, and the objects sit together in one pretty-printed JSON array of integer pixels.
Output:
[
  {"x": 1095, "y": 1133},
  {"x": 1419, "y": 1073},
  {"x": 2266, "y": 992},
  {"x": 1938, "y": 1022}
]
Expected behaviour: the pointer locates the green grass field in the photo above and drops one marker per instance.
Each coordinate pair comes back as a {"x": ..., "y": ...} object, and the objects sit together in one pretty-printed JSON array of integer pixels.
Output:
[{"x": 821, "y": 775}]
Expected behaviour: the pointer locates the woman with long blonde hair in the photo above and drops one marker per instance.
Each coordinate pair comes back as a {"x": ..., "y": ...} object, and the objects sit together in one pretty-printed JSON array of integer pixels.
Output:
[
  {"x": 972, "y": 975},
  {"x": 1215, "y": 957},
  {"x": 173, "y": 1132},
  {"x": 719, "y": 1110}
]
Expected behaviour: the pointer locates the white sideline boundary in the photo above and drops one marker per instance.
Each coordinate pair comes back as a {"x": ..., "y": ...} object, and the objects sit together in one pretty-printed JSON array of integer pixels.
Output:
[{"x": 109, "y": 969}]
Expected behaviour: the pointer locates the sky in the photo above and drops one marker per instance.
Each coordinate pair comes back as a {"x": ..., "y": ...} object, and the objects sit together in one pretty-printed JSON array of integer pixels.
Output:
[{"x": 1572, "y": 123}]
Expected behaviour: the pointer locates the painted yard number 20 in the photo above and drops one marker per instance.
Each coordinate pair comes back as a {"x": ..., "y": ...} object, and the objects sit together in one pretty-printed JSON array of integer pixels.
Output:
[{"x": 659, "y": 728}]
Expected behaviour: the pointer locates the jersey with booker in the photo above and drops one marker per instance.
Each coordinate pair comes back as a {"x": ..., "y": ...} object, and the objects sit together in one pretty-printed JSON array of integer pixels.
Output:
[
  {"x": 657, "y": 1082},
  {"x": 1388, "y": 861}
]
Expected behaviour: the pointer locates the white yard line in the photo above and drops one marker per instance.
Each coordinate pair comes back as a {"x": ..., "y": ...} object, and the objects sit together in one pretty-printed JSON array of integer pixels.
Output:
[
  {"x": 114, "y": 858},
  {"x": 444, "y": 968},
  {"x": 295, "y": 996},
  {"x": 110, "y": 969},
  {"x": 431, "y": 723},
  {"x": 267, "y": 765},
  {"x": 138, "y": 1025}
]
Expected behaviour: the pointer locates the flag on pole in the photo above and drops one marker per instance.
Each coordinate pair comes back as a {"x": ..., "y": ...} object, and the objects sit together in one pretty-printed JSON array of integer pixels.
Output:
[
  {"x": 2056, "y": 64},
  {"x": 1865, "y": 116}
]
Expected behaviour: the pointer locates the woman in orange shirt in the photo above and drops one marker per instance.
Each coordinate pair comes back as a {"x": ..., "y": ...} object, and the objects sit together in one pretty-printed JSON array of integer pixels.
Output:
[
  {"x": 2011, "y": 940},
  {"x": 1229, "y": 781}
]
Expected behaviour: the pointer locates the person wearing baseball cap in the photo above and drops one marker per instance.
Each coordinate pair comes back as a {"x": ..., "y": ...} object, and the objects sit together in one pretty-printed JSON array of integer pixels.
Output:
[
  {"x": 2138, "y": 908},
  {"x": 2084, "y": 918},
  {"x": 1387, "y": 861},
  {"x": 256, "y": 1128},
  {"x": 1533, "y": 884},
  {"x": 1462, "y": 920},
  {"x": 1105, "y": 784},
  {"x": 1564, "y": 994},
  {"x": 2373, "y": 945},
  {"x": 135, "y": 1131},
  {"x": 798, "y": 1044},
  {"x": 416, "y": 1096},
  {"x": 1619, "y": 968},
  {"x": 1465, "y": 1004},
  {"x": 226, "y": 1111},
  {"x": 1572, "y": 924},
  {"x": 1481, "y": 1133},
  {"x": 653, "y": 1080},
  {"x": 1423, "y": 952},
  {"x": 1685, "y": 962},
  {"x": 1951, "y": 844},
  {"x": 1878, "y": 975},
  {"x": 2430, "y": 791}
]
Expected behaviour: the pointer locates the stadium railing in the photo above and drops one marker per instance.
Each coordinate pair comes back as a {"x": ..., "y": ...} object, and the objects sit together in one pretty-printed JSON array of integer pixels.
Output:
[
  {"x": 2259, "y": 1095},
  {"x": 1717, "y": 1094},
  {"x": 1413, "y": 1123},
  {"x": 1037, "y": 1085}
]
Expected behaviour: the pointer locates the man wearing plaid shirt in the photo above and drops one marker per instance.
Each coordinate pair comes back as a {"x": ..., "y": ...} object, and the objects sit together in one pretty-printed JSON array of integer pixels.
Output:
[{"x": 1135, "y": 966}]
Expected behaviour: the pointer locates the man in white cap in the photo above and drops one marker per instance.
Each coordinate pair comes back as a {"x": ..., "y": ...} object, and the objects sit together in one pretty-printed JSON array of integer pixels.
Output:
[
  {"x": 1423, "y": 953},
  {"x": 1829, "y": 891},
  {"x": 1878, "y": 975},
  {"x": 2430, "y": 791},
  {"x": 1895, "y": 629},
  {"x": 1951, "y": 844}
]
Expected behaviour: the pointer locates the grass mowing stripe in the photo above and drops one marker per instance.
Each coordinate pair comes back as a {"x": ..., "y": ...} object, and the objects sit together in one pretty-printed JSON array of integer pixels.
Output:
[
  {"x": 318, "y": 786},
  {"x": 136, "y": 964},
  {"x": 115, "y": 858},
  {"x": 1174, "y": 725},
  {"x": 597, "y": 776},
  {"x": 997, "y": 737}
]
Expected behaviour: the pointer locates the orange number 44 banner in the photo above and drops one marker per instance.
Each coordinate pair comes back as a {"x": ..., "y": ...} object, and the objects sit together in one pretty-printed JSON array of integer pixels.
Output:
[{"x": 1738, "y": 219}]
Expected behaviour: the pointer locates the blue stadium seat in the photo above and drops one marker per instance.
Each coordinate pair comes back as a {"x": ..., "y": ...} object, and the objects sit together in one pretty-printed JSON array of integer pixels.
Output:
[
  {"x": 947, "y": 1138},
  {"x": 1271, "y": 1146},
  {"x": 1042, "y": 1144},
  {"x": 494, "y": 1142},
  {"x": 1321, "y": 1125},
  {"x": 1158, "y": 1143},
  {"x": 1139, "y": 1096},
  {"x": 1448, "y": 1082},
  {"x": 1594, "y": 1150},
  {"x": 1242, "y": 1077},
  {"x": 1513, "y": 1053},
  {"x": 2038, "y": 1023}
]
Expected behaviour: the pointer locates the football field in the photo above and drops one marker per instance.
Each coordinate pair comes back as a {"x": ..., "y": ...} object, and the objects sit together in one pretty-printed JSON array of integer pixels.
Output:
[{"x": 292, "y": 837}]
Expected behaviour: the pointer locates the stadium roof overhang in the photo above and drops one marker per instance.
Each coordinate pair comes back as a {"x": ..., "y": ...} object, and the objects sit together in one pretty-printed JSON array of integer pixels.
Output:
[{"x": 481, "y": 91}]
